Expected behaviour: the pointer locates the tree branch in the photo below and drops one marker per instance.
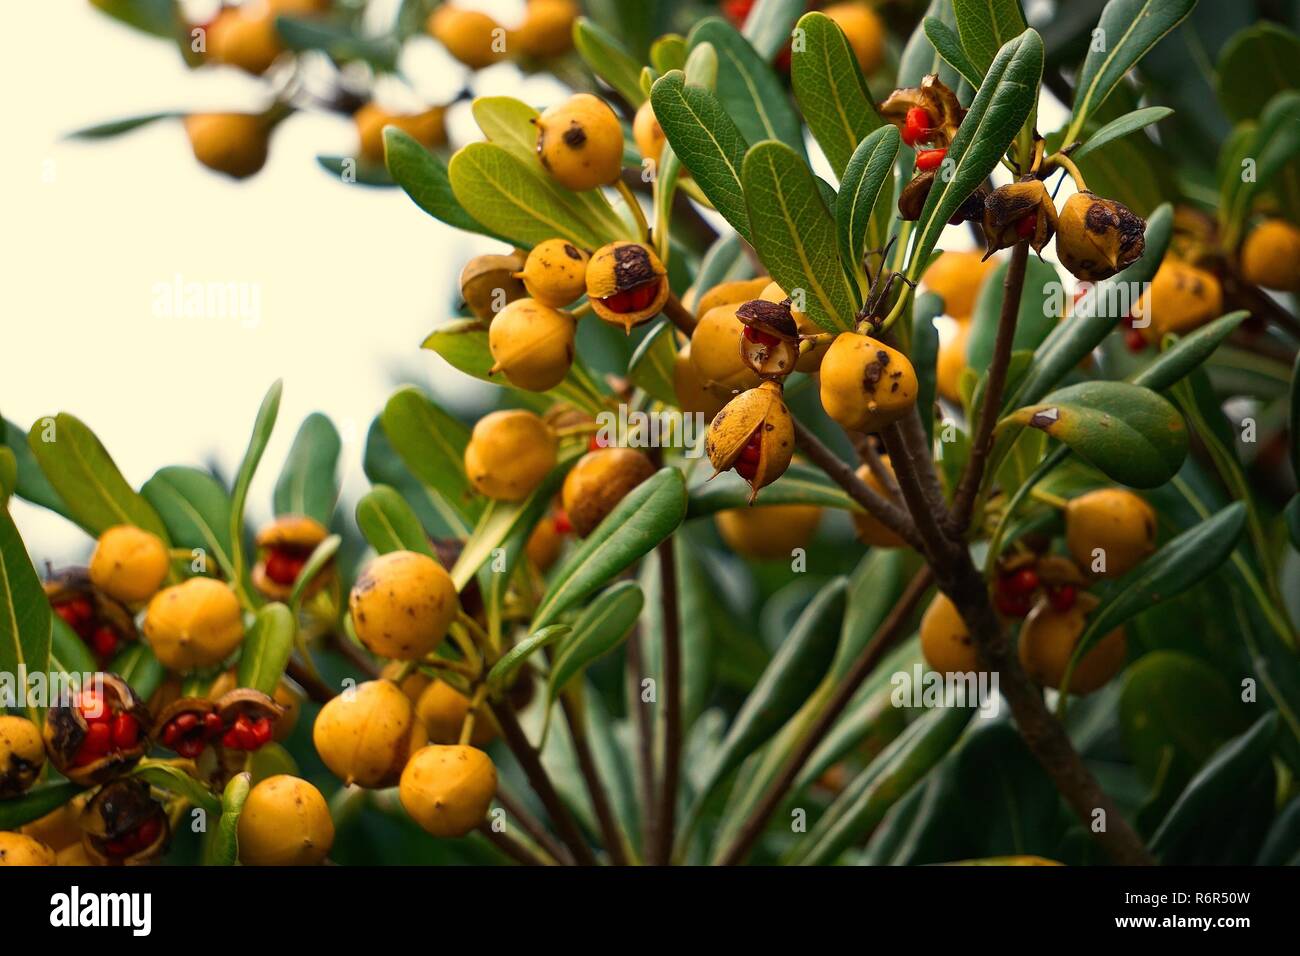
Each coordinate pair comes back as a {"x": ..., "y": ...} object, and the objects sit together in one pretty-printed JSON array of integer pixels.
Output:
[
  {"x": 679, "y": 315},
  {"x": 510, "y": 847},
  {"x": 672, "y": 677},
  {"x": 645, "y": 741},
  {"x": 532, "y": 826},
  {"x": 609, "y": 828}
]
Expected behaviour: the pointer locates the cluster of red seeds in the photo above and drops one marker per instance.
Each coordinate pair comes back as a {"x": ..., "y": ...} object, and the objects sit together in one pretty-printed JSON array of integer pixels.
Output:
[
  {"x": 283, "y": 566},
  {"x": 760, "y": 337},
  {"x": 79, "y": 614},
  {"x": 245, "y": 734},
  {"x": 1013, "y": 594},
  {"x": 747, "y": 464},
  {"x": 141, "y": 838},
  {"x": 632, "y": 300},
  {"x": 188, "y": 734},
  {"x": 106, "y": 731}
]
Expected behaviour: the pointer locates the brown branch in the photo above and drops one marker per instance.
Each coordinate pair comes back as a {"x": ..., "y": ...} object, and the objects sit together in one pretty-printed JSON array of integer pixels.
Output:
[
  {"x": 645, "y": 741},
  {"x": 890, "y": 629},
  {"x": 355, "y": 656},
  {"x": 963, "y": 502},
  {"x": 532, "y": 826},
  {"x": 316, "y": 689},
  {"x": 672, "y": 697},
  {"x": 933, "y": 539},
  {"x": 510, "y": 847},
  {"x": 540, "y": 781},
  {"x": 679, "y": 315},
  {"x": 866, "y": 450},
  {"x": 610, "y": 831}
]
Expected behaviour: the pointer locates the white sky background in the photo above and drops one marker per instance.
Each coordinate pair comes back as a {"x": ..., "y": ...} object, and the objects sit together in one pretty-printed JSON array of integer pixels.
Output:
[{"x": 350, "y": 279}]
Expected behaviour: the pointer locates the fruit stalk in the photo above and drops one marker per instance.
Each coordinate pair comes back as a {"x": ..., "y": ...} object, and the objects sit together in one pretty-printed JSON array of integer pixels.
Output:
[
  {"x": 532, "y": 826},
  {"x": 610, "y": 831},
  {"x": 672, "y": 676},
  {"x": 510, "y": 847}
]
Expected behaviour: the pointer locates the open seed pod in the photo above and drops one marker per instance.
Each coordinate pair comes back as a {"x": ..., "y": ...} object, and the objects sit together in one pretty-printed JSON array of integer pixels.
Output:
[
  {"x": 770, "y": 343},
  {"x": 626, "y": 283},
  {"x": 1016, "y": 212},
  {"x": 489, "y": 283},
  {"x": 188, "y": 725},
  {"x": 912, "y": 199},
  {"x": 754, "y": 434},
  {"x": 100, "y": 734},
  {"x": 943, "y": 112},
  {"x": 105, "y": 625},
  {"x": 1096, "y": 237},
  {"x": 283, "y": 548},
  {"x": 248, "y": 719},
  {"x": 22, "y": 755},
  {"x": 123, "y": 825}
]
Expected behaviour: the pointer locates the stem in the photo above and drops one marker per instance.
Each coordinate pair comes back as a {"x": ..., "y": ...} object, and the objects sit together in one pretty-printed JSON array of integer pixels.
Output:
[
  {"x": 634, "y": 205},
  {"x": 532, "y": 826},
  {"x": 467, "y": 725},
  {"x": 511, "y": 847},
  {"x": 679, "y": 315},
  {"x": 890, "y": 515},
  {"x": 661, "y": 855},
  {"x": 1047, "y": 498},
  {"x": 1066, "y": 163},
  {"x": 908, "y": 471},
  {"x": 885, "y": 636},
  {"x": 308, "y": 680},
  {"x": 963, "y": 502},
  {"x": 540, "y": 781},
  {"x": 645, "y": 741},
  {"x": 871, "y": 458},
  {"x": 609, "y": 828},
  {"x": 355, "y": 656}
]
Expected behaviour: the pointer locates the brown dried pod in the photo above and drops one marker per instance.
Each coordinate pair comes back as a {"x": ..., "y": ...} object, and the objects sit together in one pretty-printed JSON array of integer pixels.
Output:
[
  {"x": 284, "y": 546},
  {"x": 754, "y": 434},
  {"x": 187, "y": 726},
  {"x": 123, "y": 825},
  {"x": 248, "y": 719},
  {"x": 489, "y": 283},
  {"x": 1097, "y": 237},
  {"x": 912, "y": 200},
  {"x": 103, "y": 623},
  {"x": 1018, "y": 212},
  {"x": 102, "y": 733},
  {"x": 942, "y": 113},
  {"x": 770, "y": 343},
  {"x": 626, "y": 283}
]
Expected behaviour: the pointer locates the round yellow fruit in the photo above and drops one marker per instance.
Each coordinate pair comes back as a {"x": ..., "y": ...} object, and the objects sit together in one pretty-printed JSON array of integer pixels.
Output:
[
  {"x": 647, "y": 133},
  {"x": 532, "y": 344},
  {"x": 952, "y": 362},
  {"x": 509, "y": 454},
  {"x": 442, "y": 710},
  {"x": 598, "y": 482},
  {"x": 547, "y": 29},
  {"x": 946, "y": 642},
  {"x": 244, "y": 37},
  {"x": 448, "y": 790},
  {"x": 715, "y": 352},
  {"x": 768, "y": 532},
  {"x": 865, "y": 384},
  {"x": 864, "y": 31},
  {"x": 129, "y": 564},
  {"x": 580, "y": 142},
  {"x": 555, "y": 273},
  {"x": 692, "y": 394},
  {"x": 1270, "y": 256},
  {"x": 1110, "y": 530},
  {"x": 471, "y": 36},
  {"x": 1181, "y": 299},
  {"x": 364, "y": 735},
  {"x": 19, "y": 850},
  {"x": 198, "y": 623},
  {"x": 871, "y": 530},
  {"x": 235, "y": 144},
  {"x": 429, "y": 128},
  {"x": 285, "y": 822},
  {"x": 1048, "y": 638},
  {"x": 956, "y": 277},
  {"x": 22, "y": 755},
  {"x": 402, "y": 605}
]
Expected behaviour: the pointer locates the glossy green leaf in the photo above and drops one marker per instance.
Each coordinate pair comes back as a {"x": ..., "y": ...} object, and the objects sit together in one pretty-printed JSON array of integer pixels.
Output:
[
  {"x": 68, "y": 652},
  {"x": 1188, "y": 353},
  {"x": 308, "y": 483},
  {"x": 356, "y": 170},
  {"x": 424, "y": 177},
  {"x": 36, "y": 803},
  {"x": 263, "y": 425},
  {"x": 1180, "y": 564},
  {"x": 269, "y": 761},
  {"x": 668, "y": 53},
  {"x": 195, "y": 509},
  {"x": 432, "y": 444},
  {"x": 645, "y": 516},
  {"x": 1282, "y": 845},
  {"x": 223, "y": 846},
  {"x": 947, "y": 43},
  {"x": 868, "y": 171},
  {"x": 31, "y": 485},
  {"x": 1012, "y": 810},
  {"x": 120, "y": 126},
  {"x": 747, "y": 87},
  {"x": 159, "y": 18},
  {"x": 831, "y": 92},
  {"x": 920, "y": 58},
  {"x": 24, "y": 611},
  {"x": 602, "y": 626},
  {"x": 651, "y": 366},
  {"x": 985, "y": 26},
  {"x": 925, "y": 355},
  {"x": 708, "y": 143},
  {"x": 1035, "y": 320},
  {"x": 1130, "y": 28},
  {"x": 169, "y": 777},
  {"x": 316, "y": 562},
  {"x": 1293, "y": 442},
  {"x": 800, "y": 485},
  {"x": 794, "y": 234},
  {"x": 338, "y": 41},
  {"x": 1000, "y": 108},
  {"x": 697, "y": 609},
  {"x": 1273, "y": 144},
  {"x": 1121, "y": 127},
  {"x": 1131, "y": 433},
  {"x": 8, "y": 475},
  {"x": 769, "y": 25},
  {"x": 138, "y": 666},
  {"x": 886, "y": 780},
  {"x": 1254, "y": 65},
  {"x": 83, "y": 474},
  {"x": 503, "y": 671},
  {"x": 608, "y": 59},
  {"x": 388, "y": 523},
  {"x": 267, "y": 648}
]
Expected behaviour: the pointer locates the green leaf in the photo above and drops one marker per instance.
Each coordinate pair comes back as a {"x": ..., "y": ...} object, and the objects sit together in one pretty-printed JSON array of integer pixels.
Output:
[
  {"x": 195, "y": 509},
  {"x": 86, "y": 479},
  {"x": 24, "y": 610},
  {"x": 608, "y": 59},
  {"x": 925, "y": 355},
  {"x": 267, "y": 648},
  {"x": 1034, "y": 322},
  {"x": 1234, "y": 770},
  {"x": 464, "y": 344},
  {"x": 1293, "y": 441},
  {"x": 337, "y": 41},
  {"x": 1188, "y": 353},
  {"x": 1123, "y": 126},
  {"x": 263, "y": 425},
  {"x": 747, "y": 88},
  {"x": 708, "y": 143},
  {"x": 356, "y": 171},
  {"x": 800, "y": 485},
  {"x": 794, "y": 234},
  {"x": 423, "y": 176},
  {"x": 223, "y": 849},
  {"x": 1274, "y": 143},
  {"x": 920, "y": 58},
  {"x": 1183, "y": 562},
  {"x": 431, "y": 443},
  {"x": 831, "y": 92},
  {"x": 173, "y": 779},
  {"x": 8, "y": 475},
  {"x": 36, "y": 803},
  {"x": 645, "y": 516},
  {"x": 501, "y": 521},
  {"x": 316, "y": 562},
  {"x": 502, "y": 674},
  {"x": 1131, "y": 433},
  {"x": 1130, "y": 28},
  {"x": 308, "y": 483},
  {"x": 602, "y": 626},
  {"x": 885, "y": 781},
  {"x": 1015, "y": 810},
  {"x": 1071, "y": 341},
  {"x": 160, "y": 18},
  {"x": 68, "y": 652},
  {"x": 985, "y": 26},
  {"x": 864, "y": 177},
  {"x": 388, "y": 523},
  {"x": 947, "y": 43},
  {"x": 794, "y": 672},
  {"x": 1254, "y": 65},
  {"x": 668, "y": 53},
  {"x": 651, "y": 366},
  {"x": 119, "y": 126},
  {"x": 32, "y": 485},
  {"x": 138, "y": 666},
  {"x": 1003, "y": 103},
  {"x": 769, "y": 25}
]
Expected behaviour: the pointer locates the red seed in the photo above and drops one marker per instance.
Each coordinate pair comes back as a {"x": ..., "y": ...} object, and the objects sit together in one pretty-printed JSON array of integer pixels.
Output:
[
  {"x": 93, "y": 709},
  {"x": 99, "y": 738},
  {"x": 1026, "y": 225},
  {"x": 126, "y": 732},
  {"x": 928, "y": 159},
  {"x": 211, "y": 725},
  {"x": 916, "y": 124},
  {"x": 230, "y": 740},
  {"x": 191, "y": 747},
  {"x": 562, "y": 523},
  {"x": 145, "y": 833},
  {"x": 1135, "y": 340},
  {"x": 103, "y": 642},
  {"x": 118, "y": 848},
  {"x": 1063, "y": 598},
  {"x": 761, "y": 337},
  {"x": 261, "y": 733},
  {"x": 1024, "y": 581},
  {"x": 283, "y": 567},
  {"x": 186, "y": 722},
  {"x": 632, "y": 300},
  {"x": 80, "y": 609},
  {"x": 747, "y": 464}
]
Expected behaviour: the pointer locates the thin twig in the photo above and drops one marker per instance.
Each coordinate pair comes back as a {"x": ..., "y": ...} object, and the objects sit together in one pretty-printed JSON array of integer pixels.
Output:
[
  {"x": 679, "y": 315},
  {"x": 963, "y": 502},
  {"x": 511, "y": 847},
  {"x": 645, "y": 741},
  {"x": 866, "y": 450},
  {"x": 532, "y": 826},
  {"x": 672, "y": 698},
  {"x": 355, "y": 655},
  {"x": 886, "y": 634},
  {"x": 316, "y": 689},
  {"x": 540, "y": 781},
  {"x": 610, "y": 831}
]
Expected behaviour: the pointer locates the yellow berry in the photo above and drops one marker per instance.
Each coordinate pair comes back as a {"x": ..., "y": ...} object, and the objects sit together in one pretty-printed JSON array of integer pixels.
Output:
[
  {"x": 956, "y": 277},
  {"x": 22, "y": 755},
  {"x": 235, "y": 144},
  {"x": 768, "y": 532},
  {"x": 402, "y": 605},
  {"x": 946, "y": 642},
  {"x": 547, "y": 29},
  {"x": 19, "y": 850},
  {"x": 285, "y": 822},
  {"x": 366, "y": 734},
  {"x": 532, "y": 344},
  {"x": 555, "y": 273},
  {"x": 428, "y": 128},
  {"x": 1270, "y": 256},
  {"x": 509, "y": 454},
  {"x": 871, "y": 530},
  {"x": 448, "y": 790},
  {"x": 129, "y": 564},
  {"x": 580, "y": 142},
  {"x": 864, "y": 31},
  {"x": 442, "y": 710},
  {"x": 470, "y": 36},
  {"x": 195, "y": 624},
  {"x": 1047, "y": 641},
  {"x": 1110, "y": 530},
  {"x": 865, "y": 384},
  {"x": 598, "y": 482}
]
